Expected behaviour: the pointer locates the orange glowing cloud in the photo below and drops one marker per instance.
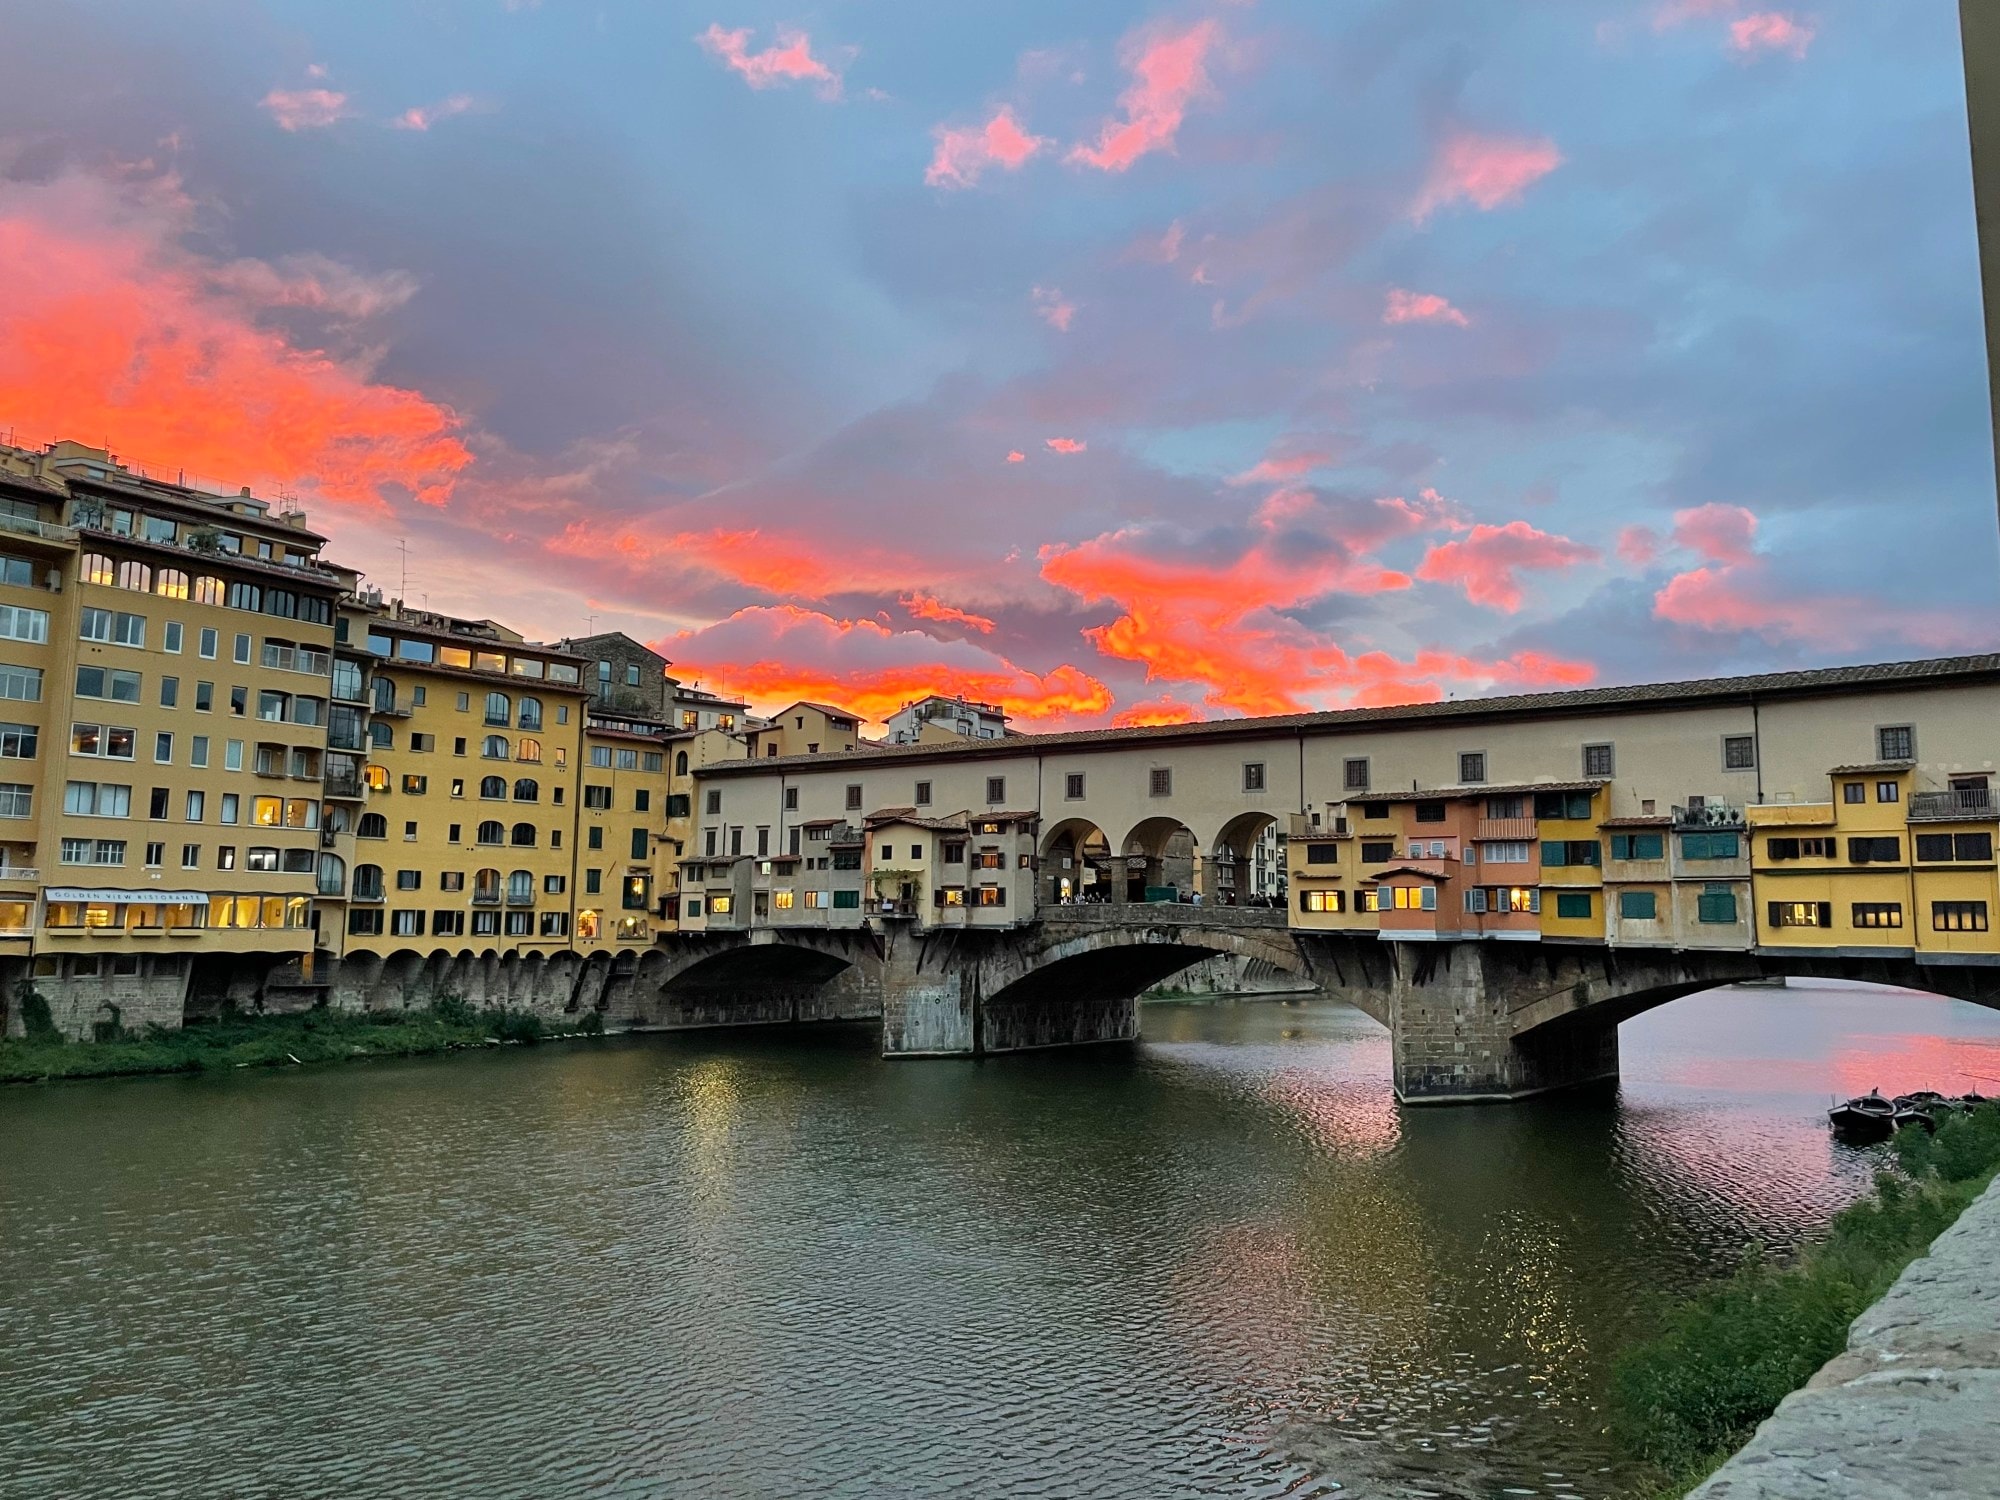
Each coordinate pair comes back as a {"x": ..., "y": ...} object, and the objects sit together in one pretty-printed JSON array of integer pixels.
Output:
[
  {"x": 1064, "y": 445},
  {"x": 1016, "y": 456},
  {"x": 305, "y": 109},
  {"x": 1486, "y": 562},
  {"x": 961, "y": 155},
  {"x": 1421, "y": 307},
  {"x": 1488, "y": 171},
  {"x": 1166, "y": 709},
  {"x": 790, "y": 61},
  {"x": 924, "y": 607},
  {"x": 770, "y": 562},
  {"x": 110, "y": 329},
  {"x": 1169, "y": 71},
  {"x": 1282, "y": 467},
  {"x": 1771, "y": 31},
  {"x": 777, "y": 655}
]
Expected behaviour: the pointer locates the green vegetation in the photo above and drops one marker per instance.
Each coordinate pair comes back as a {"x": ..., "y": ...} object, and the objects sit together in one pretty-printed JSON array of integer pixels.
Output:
[
  {"x": 238, "y": 1041},
  {"x": 1687, "y": 1398}
]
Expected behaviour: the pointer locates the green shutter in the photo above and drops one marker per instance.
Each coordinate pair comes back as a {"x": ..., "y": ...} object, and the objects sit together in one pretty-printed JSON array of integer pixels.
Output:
[
  {"x": 1555, "y": 852},
  {"x": 1638, "y": 906},
  {"x": 1621, "y": 846},
  {"x": 1573, "y": 904},
  {"x": 1649, "y": 846}
]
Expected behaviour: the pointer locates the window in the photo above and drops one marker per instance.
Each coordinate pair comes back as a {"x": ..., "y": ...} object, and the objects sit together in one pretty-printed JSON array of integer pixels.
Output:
[
  {"x": 1354, "y": 774},
  {"x": 1874, "y": 851},
  {"x": 93, "y": 851},
  {"x": 23, "y": 684},
  {"x": 1427, "y": 812},
  {"x": 1598, "y": 760},
  {"x": 1739, "y": 752},
  {"x": 17, "y": 800},
  {"x": 1373, "y": 853},
  {"x": 597, "y": 798},
  {"x": 1946, "y": 916},
  {"x": 923, "y": 794},
  {"x": 1159, "y": 782},
  {"x": 198, "y": 751},
  {"x": 499, "y": 709},
  {"x": 1854, "y": 791},
  {"x": 1073, "y": 786},
  {"x": 1801, "y": 914},
  {"x": 19, "y": 741},
  {"x": 639, "y": 843},
  {"x": 1638, "y": 846},
  {"x": 530, "y": 714},
  {"x": 190, "y": 856},
  {"x": 1709, "y": 846},
  {"x": 493, "y": 747},
  {"x": 1878, "y": 914},
  {"x": 496, "y": 787},
  {"x": 1887, "y": 791},
  {"x": 996, "y": 790},
  {"x": 1322, "y": 901},
  {"x": 97, "y": 799},
  {"x": 1638, "y": 906},
  {"x": 1574, "y": 905},
  {"x": 447, "y": 923},
  {"x": 1472, "y": 766},
  {"x": 1557, "y": 853},
  {"x": 523, "y": 836},
  {"x": 209, "y": 642},
  {"x": 99, "y": 682},
  {"x": 1253, "y": 776},
  {"x": 712, "y": 801},
  {"x": 1322, "y": 854},
  {"x": 1414, "y": 898},
  {"x": 174, "y": 637},
  {"x": 1897, "y": 742},
  {"x": 1941, "y": 846},
  {"x": 101, "y": 740},
  {"x": 19, "y": 623},
  {"x": 600, "y": 757},
  {"x": 415, "y": 786}
]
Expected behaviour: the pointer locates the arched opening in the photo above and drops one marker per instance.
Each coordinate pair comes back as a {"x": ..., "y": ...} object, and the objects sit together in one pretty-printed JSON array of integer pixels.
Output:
[
  {"x": 1162, "y": 861},
  {"x": 1246, "y": 863},
  {"x": 1077, "y": 866}
]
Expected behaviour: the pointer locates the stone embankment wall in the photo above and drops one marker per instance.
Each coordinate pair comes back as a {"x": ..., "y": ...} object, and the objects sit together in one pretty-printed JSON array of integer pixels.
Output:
[{"x": 1912, "y": 1410}]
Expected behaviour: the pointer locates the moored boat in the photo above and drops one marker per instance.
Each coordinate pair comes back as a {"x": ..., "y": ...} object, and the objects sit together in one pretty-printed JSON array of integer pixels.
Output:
[{"x": 1866, "y": 1117}]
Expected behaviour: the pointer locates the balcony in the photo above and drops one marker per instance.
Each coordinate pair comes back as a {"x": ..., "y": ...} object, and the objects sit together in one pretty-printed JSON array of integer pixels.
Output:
[
  {"x": 46, "y": 531},
  {"x": 371, "y": 894},
  {"x": 298, "y": 659},
  {"x": 1708, "y": 815},
  {"x": 1303, "y": 827},
  {"x": 390, "y": 709},
  {"x": 1508, "y": 830},
  {"x": 344, "y": 789},
  {"x": 20, "y": 875},
  {"x": 1959, "y": 805},
  {"x": 520, "y": 898}
]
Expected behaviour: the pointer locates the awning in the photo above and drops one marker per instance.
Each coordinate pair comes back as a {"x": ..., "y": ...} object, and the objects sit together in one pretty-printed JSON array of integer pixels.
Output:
[{"x": 94, "y": 897}]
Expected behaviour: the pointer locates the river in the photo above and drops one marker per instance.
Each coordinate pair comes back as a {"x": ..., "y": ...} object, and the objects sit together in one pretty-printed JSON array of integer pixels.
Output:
[{"x": 1220, "y": 1263}]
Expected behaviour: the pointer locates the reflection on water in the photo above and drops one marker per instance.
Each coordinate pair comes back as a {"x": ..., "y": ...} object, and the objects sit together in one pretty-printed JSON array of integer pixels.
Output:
[{"x": 1222, "y": 1263}]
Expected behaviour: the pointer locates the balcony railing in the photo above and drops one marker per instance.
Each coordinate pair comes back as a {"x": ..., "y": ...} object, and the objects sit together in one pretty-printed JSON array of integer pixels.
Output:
[
  {"x": 1303, "y": 827},
  {"x": 368, "y": 893},
  {"x": 48, "y": 531},
  {"x": 1511, "y": 830},
  {"x": 1708, "y": 815},
  {"x": 343, "y": 788},
  {"x": 19, "y": 874},
  {"x": 298, "y": 659},
  {"x": 1960, "y": 803}
]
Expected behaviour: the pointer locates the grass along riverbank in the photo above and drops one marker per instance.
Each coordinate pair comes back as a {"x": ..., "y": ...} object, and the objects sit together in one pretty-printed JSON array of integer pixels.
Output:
[
  {"x": 1692, "y": 1395},
  {"x": 315, "y": 1036}
]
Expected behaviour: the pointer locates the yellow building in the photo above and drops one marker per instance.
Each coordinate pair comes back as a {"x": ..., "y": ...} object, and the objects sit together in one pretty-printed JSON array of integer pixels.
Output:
[
  {"x": 806, "y": 729},
  {"x": 625, "y": 862}
]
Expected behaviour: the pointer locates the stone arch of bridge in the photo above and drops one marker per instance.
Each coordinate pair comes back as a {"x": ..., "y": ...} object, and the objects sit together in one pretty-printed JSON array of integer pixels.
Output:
[
  {"x": 1230, "y": 864},
  {"x": 741, "y": 966},
  {"x": 1160, "y": 853},
  {"x": 1078, "y": 865},
  {"x": 1119, "y": 962}
]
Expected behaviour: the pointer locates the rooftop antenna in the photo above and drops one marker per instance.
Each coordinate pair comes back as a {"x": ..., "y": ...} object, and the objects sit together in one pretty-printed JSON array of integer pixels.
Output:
[
  {"x": 590, "y": 624},
  {"x": 403, "y": 547}
]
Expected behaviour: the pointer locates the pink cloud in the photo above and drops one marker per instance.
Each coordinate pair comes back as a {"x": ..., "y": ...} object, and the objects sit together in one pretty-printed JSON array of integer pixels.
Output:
[
  {"x": 1016, "y": 456},
  {"x": 1771, "y": 31},
  {"x": 1487, "y": 560},
  {"x": 1278, "y": 467},
  {"x": 423, "y": 116},
  {"x": 1638, "y": 545},
  {"x": 1489, "y": 171},
  {"x": 1169, "y": 72},
  {"x": 790, "y": 61},
  {"x": 1421, "y": 307},
  {"x": 963, "y": 153},
  {"x": 926, "y": 607},
  {"x": 305, "y": 109},
  {"x": 1065, "y": 445},
  {"x": 1720, "y": 533},
  {"x": 1053, "y": 308},
  {"x": 1165, "y": 709}
]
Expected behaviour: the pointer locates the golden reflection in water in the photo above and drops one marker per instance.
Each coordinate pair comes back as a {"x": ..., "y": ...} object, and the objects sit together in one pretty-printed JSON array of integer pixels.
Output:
[{"x": 710, "y": 1096}]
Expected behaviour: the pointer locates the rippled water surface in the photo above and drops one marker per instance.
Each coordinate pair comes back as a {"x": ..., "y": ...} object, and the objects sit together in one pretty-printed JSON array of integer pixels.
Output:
[{"x": 1224, "y": 1263}]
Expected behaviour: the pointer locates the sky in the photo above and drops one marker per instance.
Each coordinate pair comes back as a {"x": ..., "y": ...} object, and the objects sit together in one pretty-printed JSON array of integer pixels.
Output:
[{"x": 1117, "y": 362}]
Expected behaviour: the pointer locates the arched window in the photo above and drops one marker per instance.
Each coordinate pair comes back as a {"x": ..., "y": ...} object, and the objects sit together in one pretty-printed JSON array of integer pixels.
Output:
[
  {"x": 524, "y": 836},
  {"x": 171, "y": 582},
  {"x": 497, "y": 708},
  {"x": 381, "y": 735},
  {"x": 136, "y": 576},
  {"x": 586, "y": 925},
  {"x": 372, "y": 826},
  {"x": 492, "y": 833},
  {"x": 681, "y": 763},
  {"x": 367, "y": 882},
  {"x": 493, "y": 786},
  {"x": 494, "y": 747},
  {"x": 385, "y": 694},
  {"x": 95, "y": 567},
  {"x": 521, "y": 888},
  {"x": 246, "y": 596},
  {"x": 332, "y": 875},
  {"x": 531, "y": 713},
  {"x": 529, "y": 750},
  {"x": 375, "y": 778},
  {"x": 526, "y": 790},
  {"x": 486, "y": 886},
  {"x": 208, "y": 590}
]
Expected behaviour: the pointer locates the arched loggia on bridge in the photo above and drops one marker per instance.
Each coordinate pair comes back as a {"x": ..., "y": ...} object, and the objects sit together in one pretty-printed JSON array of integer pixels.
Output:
[
  {"x": 1077, "y": 865},
  {"x": 1160, "y": 854},
  {"x": 1232, "y": 867}
]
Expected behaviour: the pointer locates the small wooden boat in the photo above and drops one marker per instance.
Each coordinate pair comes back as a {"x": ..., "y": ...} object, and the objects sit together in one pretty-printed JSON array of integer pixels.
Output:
[
  {"x": 1867, "y": 1117},
  {"x": 1924, "y": 1116}
]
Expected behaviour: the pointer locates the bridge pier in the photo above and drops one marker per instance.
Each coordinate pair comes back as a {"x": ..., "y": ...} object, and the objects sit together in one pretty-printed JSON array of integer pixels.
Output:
[{"x": 1455, "y": 1013}]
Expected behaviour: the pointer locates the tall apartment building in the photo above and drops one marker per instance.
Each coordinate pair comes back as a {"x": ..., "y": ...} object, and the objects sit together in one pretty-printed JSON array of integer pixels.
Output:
[{"x": 941, "y": 717}]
